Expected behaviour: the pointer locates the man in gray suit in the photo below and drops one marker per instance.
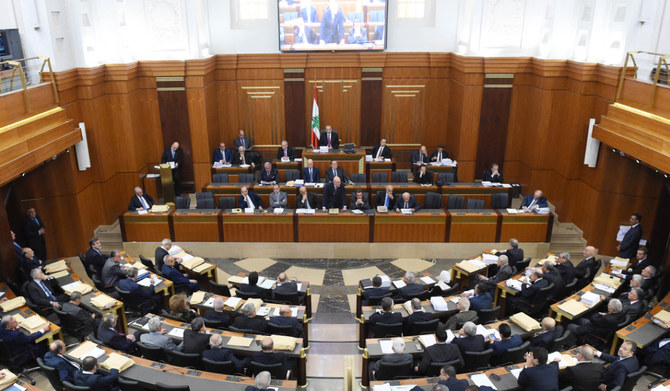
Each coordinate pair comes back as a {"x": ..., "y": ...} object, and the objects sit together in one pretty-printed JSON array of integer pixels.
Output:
[
  {"x": 157, "y": 337},
  {"x": 464, "y": 314},
  {"x": 504, "y": 272},
  {"x": 112, "y": 272},
  {"x": 278, "y": 198}
]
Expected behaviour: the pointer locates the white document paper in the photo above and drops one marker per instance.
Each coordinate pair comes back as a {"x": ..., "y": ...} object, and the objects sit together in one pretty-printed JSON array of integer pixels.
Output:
[
  {"x": 506, "y": 185},
  {"x": 622, "y": 232},
  {"x": 386, "y": 345},
  {"x": 357, "y": 211},
  {"x": 263, "y": 311},
  {"x": 174, "y": 250},
  {"x": 450, "y": 336},
  {"x": 386, "y": 281},
  {"x": 605, "y": 288},
  {"x": 399, "y": 284},
  {"x": 515, "y": 284},
  {"x": 368, "y": 158},
  {"x": 516, "y": 372},
  {"x": 67, "y": 288},
  {"x": 146, "y": 282},
  {"x": 186, "y": 257},
  {"x": 266, "y": 284},
  {"x": 95, "y": 352},
  {"x": 298, "y": 286},
  {"x": 487, "y": 183},
  {"x": 249, "y": 210},
  {"x": 209, "y": 302},
  {"x": 232, "y": 301},
  {"x": 590, "y": 299},
  {"x": 278, "y": 211},
  {"x": 481, "y": 379},
  {"x": 439, "y": 304},
  {"x": 490, "y": 259},
  {"x": 176, "y": 332},
  {"x": 406, "y": 211},
  {"x": 427, "y": 280},
  {"x": 142, "y": 212},
  {"x": 427, "y": 340},
  {"x": 477, "y": 263}
]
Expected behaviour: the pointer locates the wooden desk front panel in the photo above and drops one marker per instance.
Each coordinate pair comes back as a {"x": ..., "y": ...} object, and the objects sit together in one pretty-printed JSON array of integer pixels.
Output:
[
  {"x": 146, "y": 228},
  {"x": 524, "y": 227},
  {"x": 196, "y": 227},
  {"x": 258, "y": 228},
  {"x": 282, "y": 167},
  {"x": 344, "y": 227},
  {"x": 350, "y": 162},
  {"x": 233, "y": 172},
  {"x": 264, "y": 193},
  {"x": 417, "y": 190},
  {"x": 473, "y": 227},
  {"x": 423, "y": 226}
]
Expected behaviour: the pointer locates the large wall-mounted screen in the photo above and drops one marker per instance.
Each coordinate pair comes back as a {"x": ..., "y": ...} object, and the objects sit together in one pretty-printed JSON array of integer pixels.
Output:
[{"x": 327, "y": 25}]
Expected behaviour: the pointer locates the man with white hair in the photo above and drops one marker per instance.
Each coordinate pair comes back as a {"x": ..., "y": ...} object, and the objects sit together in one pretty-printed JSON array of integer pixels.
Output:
[
  {"x": 218, "y": 353},
  {"x": 262, "y": 381},
  {"x": 464, "y": 314},
  {"x": 469, "y": 340},
  {"x": 334, "y": 195},
  {"x": 565, "y": 267},
  {"x": 417, "y": 315},
  {"x": 504, "y": 272},
  {"x": 161, "y": 252},
  {"x": 216, "y": 314},
  {"x": 268, "y": 176},
  {"x": 285, "y": 319},
  {"x": 173, "y": 154},
  {"x": 140, "y": 201},
  {"x": 285, "y": 153},
  {"x": 248, "y": 319},
  {"x": 43, "y": 292},
  {"x": 534, "y": 201},
  {"x": 156, "y": 336},
  {"x": 397, "y": 357},
  {"x": 411, "y": 288},
  {"x": 585, "y": 375},
  {"x": 514, "y": 253},
  {"x": 22, "y": 346},
  {"x": 310, "y": 173},
  {"x": 600, "y": 323},
  {"x": 550, "y": 331},
  {"x": 407, "y": 201}
]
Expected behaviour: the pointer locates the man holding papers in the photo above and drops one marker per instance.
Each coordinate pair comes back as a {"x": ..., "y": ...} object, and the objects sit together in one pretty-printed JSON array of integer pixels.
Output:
[
  {"x": 480, "y": 299},
  {"x": 142, "y": 297},
  {"x": 440, "y": 352},
  {"x": 284, "y": 286},
  {"x": 524, "y": 299},
  {"x": 532, "y": 202},
  {"x": 88, "y": 376},
  {"x": 407, "y": 202},
  {"x": 631, "y": 240}
]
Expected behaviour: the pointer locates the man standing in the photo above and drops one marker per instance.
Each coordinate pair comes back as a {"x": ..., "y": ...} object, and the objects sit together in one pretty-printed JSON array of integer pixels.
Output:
[
  {"x": 33, "y": 227},
  {"x": 381, "y": 151},
  {"x": 329, "y": 138},
  {"x": 242, "y": 141},
  {"x": 631, "y": 240},
  {"x": 173, "y": 155},
  {"x": 140, "y": 201},
  {"x": 334, "y": 195},
  {"x": 332, "y": 26}
]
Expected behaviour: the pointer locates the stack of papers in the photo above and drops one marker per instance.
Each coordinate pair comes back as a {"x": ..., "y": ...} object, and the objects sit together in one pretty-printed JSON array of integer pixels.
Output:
[
  {"x": 282, "y": 342},
  {"x": 77, "y": 286},
  {"x": 608, "y": 280},
  {"x": 305, "y": 211},
  {"x": 263, "y": 311},
  {"x": 590, "y": 299},
  {"x": 117, "y": 361},
  {"x": 33, "y": 324},
  {"x": 399, "y": 284},
  {"x": 621, "y": 263},
  {"x": 176, "y": 332},
  {"x": 197, "y": 297},
  {"x": 233, "y": 303},
  {"x": 551, "y": 259},
  {"x": 146, "y": 282},
  {"x": 484, "y": 332},
  {"x": 427, "y": 280},
  {"x": 525, "y": 322},
  {"x": 516, "y": 284},
  {"x": 159, "y": 209},
  {"x": 192, "y": 263},
  {"x": 266, "y": 284},
  {"x": 662, "y": 319},
  {"x": 481, "y": 379},
  {"x": 55, "y": 267},
  {"x": 103, "y": 301},
  {"x": 386, "y": 345},
  {"x": 386, "y": 281},
  {"x": 237, "y": 279},
  {"x": 471, "y": 266},
  {"x": 439, "y": 304},
  {"x": 256, "y": 302},
  {"x": 427, "y": 340},
  {"x": 660, "y": 387},
  {"x": 490, "y": 259},
  {"x": 408, "y": 307},
  {"x": 84, "y": 348},
  {"x": 60, "y": 274},
  {"x": 240, "y": 341},
  {"x": 174, "y": 250},
  {"x": 605, "y": 288},
  {"x": 573, "y": 307},
  {"x": 566, "y": 360},
  {"x": 516, "y": 372},
  {"x": 13, "y": 304}
]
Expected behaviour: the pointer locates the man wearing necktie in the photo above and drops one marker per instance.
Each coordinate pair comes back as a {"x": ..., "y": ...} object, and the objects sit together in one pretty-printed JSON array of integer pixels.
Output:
[
  {"x": 34, "y": 230},
  {"x": 621, "y": 365},
  {"x": 173, "y": 154},
  {"x": 55, "y": 358},
  {"x": 381, "y": 151},
  {"x": 140, "y": 201},
  {"x": 329, "y": 138},
  {"x": 438, "y": 155},
  {"x": 386, "y": 198},
  {"x": 43, "y": 292},
  {"x": 334, "y": 171},
  {"x": 249, "y": 199},
  {"x": 407, "y": 202},
  {"x": 533, "y": 201},
  {"x": 22, "y": 346},
  {"x": 17, "y": 247},
  {"x": 285, "y": 153},
  {"x": 242, "y": 141},
  {"x": 310, "y": 173}
]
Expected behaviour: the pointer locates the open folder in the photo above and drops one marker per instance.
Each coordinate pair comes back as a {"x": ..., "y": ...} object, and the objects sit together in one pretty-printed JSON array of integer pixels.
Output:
[
  {"x": 13, "y": 304},
  {"x": 103, "y": 301},
  {"x": 117, "y": 361},
  {"x": 55, "y": 267}
]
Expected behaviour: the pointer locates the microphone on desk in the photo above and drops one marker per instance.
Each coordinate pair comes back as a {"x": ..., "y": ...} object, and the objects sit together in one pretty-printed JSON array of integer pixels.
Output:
[{"x": 174, "y": 369}]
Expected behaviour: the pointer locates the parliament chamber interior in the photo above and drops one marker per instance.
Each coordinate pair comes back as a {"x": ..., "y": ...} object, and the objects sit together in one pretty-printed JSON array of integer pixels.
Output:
[{"x": 334, "y": 195}]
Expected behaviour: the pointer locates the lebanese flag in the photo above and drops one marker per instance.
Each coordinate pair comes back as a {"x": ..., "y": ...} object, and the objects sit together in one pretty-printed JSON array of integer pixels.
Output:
[{"x": 315, "y": 122}]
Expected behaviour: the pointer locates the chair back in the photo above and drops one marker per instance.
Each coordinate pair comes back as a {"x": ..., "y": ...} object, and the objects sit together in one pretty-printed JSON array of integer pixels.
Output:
[
  {"x": 247, "y": 295},
  {"x": 170, "y": 387},
  {"x": 434, "y": 367},
  {"x": 226, "y": 367},
  {"x": 513, "y": 355},
  {"x": 289, "y": 331},
  {"x": 569, "y": 288},
  {"x": 499, "y": 201},
  {"x": 433, "y": 200},
  {"x": 204, "y": 200},
  {"x": 213, "y": 324},
  {"x": 385, "y": 330},
  {"x": 246, "y": 331},
  {"x": 521, "y": 266},
  {"x": 150, "y": 352},
  {"x": 632, "y": 378},
  {"x": 291, "y": 175},
  {"x": 169, "y": 315},
  {"x": 561, "y": 343},
  {"x": 147, "y": 262},
  {"x": 220, "y": 178},
  {"x": 187, "y": 360},
  {"x": 399, "y": 177},
  {"x": 276, "y": 370},
  {"x": 475, "y": 204},
  {"x": 219, "y": 289},
  {"x": 290, "y": 298},
  {"x": 489, "y": 315},
  {"x": 245, "y": 178},
  {"x": 426, "y": 327},
  {"x": 182, "y": 202},
  {"x": 425, "y": 295},
  {"x": 227, "y": 203},
  {"x": 52, "y": 374},
  {"x": 390, "y": 371},
  {"x": 455, "y": 202},
  {"x": 71, "y": 387},
  {"x": 445, "y": 178},
  {"x": 68, "y": 323},
  {"x": 453, "y": 289},
  {"x": 377, "y": 300},
  {"x": 379, "y": 177},
  {"x": 358, "y": 178},
  {"x": 476, "y": 360},
  {"x": 129, "y": 384}
]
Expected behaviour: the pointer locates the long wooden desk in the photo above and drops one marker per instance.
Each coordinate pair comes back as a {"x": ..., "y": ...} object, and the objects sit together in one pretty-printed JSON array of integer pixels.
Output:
[
  {"x": 525, "y": 227},
  {"x": 148, "y": 372},
  {"x": 164, "y": 288},
  {"x": 426, "y": 225},
  {"x": 350, "y": 162},
  {"x": 386, "y": 166},
  {"x": 560, "y": 313},
  {"x": 205, "y": 272},
  {"x": 392, "y": 289},
  {"x": 643, "y": 332},
  {"x": 475, "y": 190},
  {"x": 197, "y": 225},
  {"x": 472, "y": 225},
  {"x": 343, "y": 227},
  {"x": 418, "y": 191},
  {"x": 303, "y": 289},
  {"x": 282, "y": 167},
  {"x": 233, "y": 172},
  {"x": 147, "y": 227},
  {"x": 25, "y": 311},
  {"x": 258, "y": 227}
]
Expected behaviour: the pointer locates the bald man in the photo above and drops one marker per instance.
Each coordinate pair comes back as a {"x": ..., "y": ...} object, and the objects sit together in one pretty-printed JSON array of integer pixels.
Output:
[
  {"x": 140, "y": 201},
  {"x": 407, "y": 201},
  {"x": 585, "y": 266},
  {"x": 533, "y": 201}
]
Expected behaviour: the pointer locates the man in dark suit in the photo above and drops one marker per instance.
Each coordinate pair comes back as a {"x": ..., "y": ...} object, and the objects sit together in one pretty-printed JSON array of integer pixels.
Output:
[
  {"x": 534, "y": 201},
  {"x": 268, "y": 176},
  {"x": 308, "y": 13},
  {"x": 504, "y": 272},
  {"x": 464, "y": 314},
  {"x": 411, "y": 288},
  {"x": 222, "y": 154},
  {"x": 642, "y": 262},
  {"x": 88, "y": 376},
  {"x": 621, "y": 365},
  {"x": 21, "y": 346},
  {"x": 419, "y": 157},
  {"x": 494, "y": 174},
  {"x": 180, "y": 280},
  {"x": 335, "y": 171},
  {"x": 550, "y": 331},
  {"x": 632, "y": 304},
  {"x": 359, "y": 200},
  {"x": 249, "y": 199},
  {"x": 334, "y": 195},
  {"x": 381, "y": 151},
  {"x": 387, "y": 198},
  {"x": 565, "y": 267},
  {"x": 268, "y": 356},
  {"x": 29, "y": 261},
  {"x": 55, "y": 359},
  {"x": 218, "y": 353},
  {"x": 538, "y": 375},
  {"x": 82, "y": 318},
  {"x": 329, "y": 138},
  {"x": 252, "y": 289},
  {"x": 657, "y": 353},
  {"x": 440, "y": 352},
  {"x": 600, "y": 323},
  {"x": 439, "y": 154},
  {"x": 554, "y": 277},
  {"x": 306, "y": 200},
  {"x": 469, "y": 340},
  {"x": 387, "y": 316},
  {"x": 285, "y": 153},
  {"x": 407, "y": 201},
  {"x": 93, "y": 255},
  {"x": 285, "y": 319},
  {"x": 480, "y": 299},
  {"x": 112, "y": 271},
  {"x": 585, "y": 267},
  {"x": 144, "y": 298},
  {"x": 514, "y": 253},
  {"x": 196, "y": 339},
  {"x": 173, "y": 155},
  {"x": 284, "y": 286},
  {"x": 242, "y": 141},
  {"x": 375, "y": 291},
  {"x": 161, "y": 252},
  {"x": 114, "y": 339},
  {"x": 397, "y": 357},
  {"x": 310, "y": 174},
  {"x": 261, "y": 382},
  {"x": 140, "y": 201},
  {"x": 34, "y": 231},
  {"x": 43, "y": 292},
  {"x": 241, "y": 157},
  {"x": 448, "y": 379},
  {"x": 507, "y": 341},
  {"x": 216, "y": 313},
  {"x": 631, "y": 240},
  {"x": 248, "y": 319},
  {"x": 417, "y": 315},
  {"x": 529, "y": 290},
  {"x": 583, "y": 376}
]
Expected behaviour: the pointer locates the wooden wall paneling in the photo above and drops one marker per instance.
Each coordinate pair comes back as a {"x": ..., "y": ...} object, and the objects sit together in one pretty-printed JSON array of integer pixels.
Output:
[
  {"x": 261, "y": 110},
  {"x": 371, "y": 106},
  {"x": 636, "y": 93},
  {"x": 146, "y": 127},
  {"x": 437, "y": 112},
  {"x": 9, "y": 263},
  {"x": 203, "y": 117},
  {"x": 229, "y": 123},
  {"x": 13, "y": 106},
  {"x": 494, "y": 118},
  {"x": 297, "y": 133},
  {"x": 404, "y": 110},
  {"x": 466, "y": 151}
]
